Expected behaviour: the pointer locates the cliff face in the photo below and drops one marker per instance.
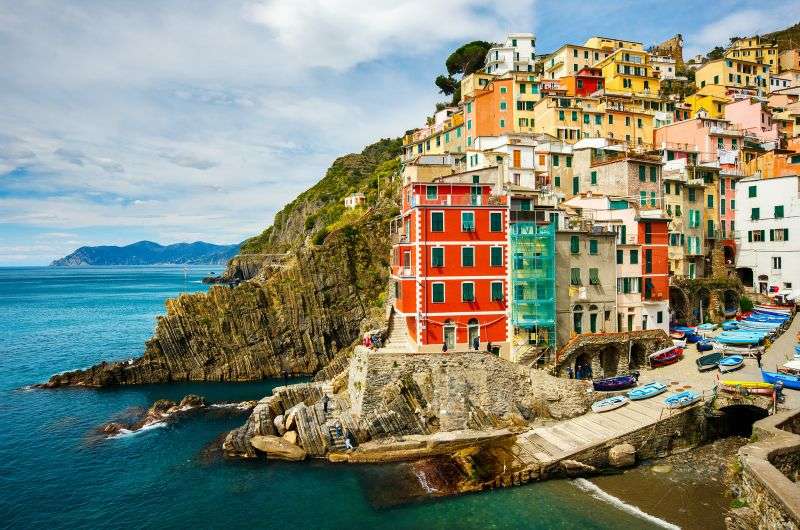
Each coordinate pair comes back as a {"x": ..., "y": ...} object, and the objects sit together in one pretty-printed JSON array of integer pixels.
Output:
[{"x": 294, "y": 315}]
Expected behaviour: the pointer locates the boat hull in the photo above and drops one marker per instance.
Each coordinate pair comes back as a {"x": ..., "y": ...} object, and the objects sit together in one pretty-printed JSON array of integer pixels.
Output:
[
  {"x": 605, "y": 405},
  {"x": 789, "y": 381},
  {"x": 682, "y": 399},
  {"x": 647, "y": 391}
]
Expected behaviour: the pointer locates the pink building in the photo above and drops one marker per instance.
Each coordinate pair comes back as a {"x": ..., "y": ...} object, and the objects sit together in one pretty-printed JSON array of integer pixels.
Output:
[{"x": 754, "y": 117}]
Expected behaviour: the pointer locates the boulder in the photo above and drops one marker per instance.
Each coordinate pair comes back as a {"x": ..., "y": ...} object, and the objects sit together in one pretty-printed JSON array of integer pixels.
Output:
[
  {"x": 112, "y": 428},
  {"x": 278, "y": 448},
  {"x": 622, "y": 455},
  {"x": 291, "y": 437},
  {"x": 161, "y": 407},
  {"x": 575, "y": 468},
  {"x": 278, "y": 421},
  {"x": 192, "y": 401}
]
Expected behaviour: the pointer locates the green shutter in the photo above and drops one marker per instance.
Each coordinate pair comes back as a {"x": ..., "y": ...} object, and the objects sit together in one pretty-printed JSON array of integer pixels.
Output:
[
  {"x": 751, "y": 191},
  {"x": 574, "y": 244},
  {"x": 755, "y": 214},
  {"x": 467, "y": 256},
  {"x": 786, "y": 234},
  {"x": 431, "y": 192},
  {"x": 468, "y": 292},
  {"x": 497, "y": 291},
  {"x": 467, "y": 222},
  {"x": 438, "y": 292},
  {"x": 641, "y": 173},
  {"x": 594, "y": 276},
  {"x": 778, "y": 211},
  {"x": 575, "y": 276},
  {"x": 653, "y": 173},
  {"x": 593, "y": 247},
  {"x": 496, "y": 257},
  {"x": 620, "y": 257},
  {"x": 749, "y": 236},
  {"x": 634, "y": 257},
  {"x": 495, "y": 221},
  {"x": 437, "y": 221},
  {"x": 437, "y": 257},
  {"x": 594, "y": 178}
]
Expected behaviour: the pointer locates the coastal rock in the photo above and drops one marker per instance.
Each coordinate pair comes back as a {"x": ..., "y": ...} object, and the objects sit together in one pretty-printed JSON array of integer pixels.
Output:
[
  {"x": 277, "y": 448},
  {"x": 574, "y": 468},
  {"x": 622, "y": 455},
  {"x": 278, "y": 422},
  {"x": 192, "y": 401},
  {"x": 290, "y": 437}
]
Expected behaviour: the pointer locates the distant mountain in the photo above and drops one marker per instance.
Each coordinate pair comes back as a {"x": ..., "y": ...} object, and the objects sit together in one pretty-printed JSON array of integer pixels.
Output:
[{"x": 149, "y": 253}]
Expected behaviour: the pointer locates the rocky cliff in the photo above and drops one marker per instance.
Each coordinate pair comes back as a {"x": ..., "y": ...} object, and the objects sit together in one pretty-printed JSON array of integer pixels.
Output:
[{"x": 293, "y": 316}]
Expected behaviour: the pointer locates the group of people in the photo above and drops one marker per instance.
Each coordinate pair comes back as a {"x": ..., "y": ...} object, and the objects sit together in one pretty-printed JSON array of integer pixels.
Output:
[
  {"x": 349, "y": 439},
  {"x": 476, "y": 345},
  {"x": 582, "y": 371},
  {"x": 373, "y": 340}
]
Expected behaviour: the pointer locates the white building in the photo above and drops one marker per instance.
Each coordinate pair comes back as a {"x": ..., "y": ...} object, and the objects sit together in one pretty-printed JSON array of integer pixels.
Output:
[
  {"x": 665, "y": 66},
  {"x": 777, "y": 83},
  {"x": 517, "y": 55},
  {"x": 768, "y": 233},
  {"x": 354, "y": 200},
  {"x": 514, "y": 153}
]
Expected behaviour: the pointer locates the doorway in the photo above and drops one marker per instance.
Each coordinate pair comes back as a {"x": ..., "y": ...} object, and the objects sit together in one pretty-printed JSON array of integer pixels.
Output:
[
  {"x": 473, "y": 333},
  {"x": 450, "y": 335}
]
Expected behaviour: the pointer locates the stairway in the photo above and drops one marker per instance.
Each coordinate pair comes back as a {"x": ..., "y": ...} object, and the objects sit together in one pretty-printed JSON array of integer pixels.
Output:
[
  {"x": 335, "y": 441},
  {"x": 398, "y": 336}
]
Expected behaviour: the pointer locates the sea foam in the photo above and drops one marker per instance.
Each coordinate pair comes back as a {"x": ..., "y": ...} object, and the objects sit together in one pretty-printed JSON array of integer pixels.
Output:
[{"x": 597, "y": 493}]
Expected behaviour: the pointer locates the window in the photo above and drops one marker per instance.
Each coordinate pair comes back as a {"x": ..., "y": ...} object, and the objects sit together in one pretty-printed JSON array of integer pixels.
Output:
[
  {"x": 779, "y": 234},
  {"x": 496, "y": 222},
  {"x": 574, "y": 115},
  {"x": 502, "y": 124},
  {"x": 660, "y": 317},
  {"x": 496, "y": 257},
  {"x": 467, "y": 256},
  {"x": 594, "y": 178},
  {"x": 569, "y": 161},
  {"x": 574, "y": 244},
  {"x": 639, "y": 123},
  {"x": 653, "y": 174},
  {"x": 627, "y": 119},
  {"x": 692, "y": 194},
  {"x": 722, "y": 206},
  {"x": 437, "y": 257},
  {"x": 610, "y": 119},
  {"x": 643, "y": 198},
  {"x": 779, "y": 211},
  {"x": 467, "y": 221},
  {"x": 575, "y": 276},
  {"x": 677, "y": 210},
  {"x": 555, "y": 160},
  {"x": 755, "y": 214},
  {"x": 593, "y": 247},
  {"x": 634, "y": 257},
  {"x": 503, "y": 90},
  {"x": 497, "y": 291},
  {"x": 503, "y": 105},
  {"x": 751, "y": 191},
  {"x": 710, "y": 201},
  {"x": 431, "y": 192},
  {"x": 652, "y": 198},
  {"x": 776, "y": 262},
  {"x": 594, "y": 276},
  {"x": 467, "y": 291},
  {"x": 587, "y": 119},
  {"x": 437, "y": 293},
  {"x": 648, "y": 261},
  {"x": 522, "y": 88},
  {"x": 620, "y": 257},
  {"x": 642, "y": 171},
  {"x": 437, "y": 221},
  {"x": 561, "y": 115}
]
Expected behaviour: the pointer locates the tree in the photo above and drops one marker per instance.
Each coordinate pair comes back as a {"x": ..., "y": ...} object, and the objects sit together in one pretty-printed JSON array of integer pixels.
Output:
[
  {"x": 717, "y": 53},
  {"x": 447, "y": 85},
  {"x": 468, "y": 58}
]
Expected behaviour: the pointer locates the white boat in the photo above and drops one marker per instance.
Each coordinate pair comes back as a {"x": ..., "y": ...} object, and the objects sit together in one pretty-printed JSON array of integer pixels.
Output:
[
  {"x": 729, "y": 364},
  {"x": 604, "y": 405},
  {"x": 679, "y": 343},
  {"x": 727, "y": 349}
]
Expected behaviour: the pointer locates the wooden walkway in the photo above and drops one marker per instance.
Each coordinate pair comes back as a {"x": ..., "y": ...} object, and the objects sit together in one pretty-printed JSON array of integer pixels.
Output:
[{"x": 547, "y": 445}]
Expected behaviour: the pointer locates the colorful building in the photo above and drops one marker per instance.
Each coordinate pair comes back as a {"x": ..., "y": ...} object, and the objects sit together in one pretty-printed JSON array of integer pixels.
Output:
[
  {"x": 733, "y": 77},
  {"x": 653, "y": 238},
  {"x": 516, "y": 55},
  {"x": 628, "y": 71},
  {"x": 757, "y": 50}
]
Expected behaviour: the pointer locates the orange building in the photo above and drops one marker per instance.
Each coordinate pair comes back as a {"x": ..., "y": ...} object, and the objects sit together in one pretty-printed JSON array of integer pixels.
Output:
[
  {"x": 450, "y": 265},
  {"x": 654, "y": 239}
]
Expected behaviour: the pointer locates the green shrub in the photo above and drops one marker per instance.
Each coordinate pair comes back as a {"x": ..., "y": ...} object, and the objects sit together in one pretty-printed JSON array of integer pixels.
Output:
[
  {"x": 319, "y": 237},
  {"x": 745, "y": 304}
]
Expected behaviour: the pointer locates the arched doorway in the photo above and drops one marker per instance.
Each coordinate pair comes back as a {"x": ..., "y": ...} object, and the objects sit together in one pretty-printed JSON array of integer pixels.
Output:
[
  {"x": 583, "y": 366},
  {"x": 473, "y": 333},
  {"x": 577, "y": 319},
  {"x": 703, "y": 301},
  {"x": 730, "y": 255},
  {"x": 450, "y": 334},
  {"x": 609, "y": 361},
  {"x": 745, "y": 275},
  {"x": 738, "y": 420},
  {"x": 730, "y": 299},
  {"x": 679, "y": 305},
  {"x": 763, "y": 283},
  {"x": 638, "y": 356}
]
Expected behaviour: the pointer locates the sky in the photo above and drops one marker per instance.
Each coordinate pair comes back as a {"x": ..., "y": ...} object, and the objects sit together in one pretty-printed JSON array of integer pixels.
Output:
[{"x": 186, "y": 120}]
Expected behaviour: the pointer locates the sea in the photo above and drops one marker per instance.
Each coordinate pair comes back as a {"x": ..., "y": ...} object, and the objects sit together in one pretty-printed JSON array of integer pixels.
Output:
[{"x": 57, "y": 472}]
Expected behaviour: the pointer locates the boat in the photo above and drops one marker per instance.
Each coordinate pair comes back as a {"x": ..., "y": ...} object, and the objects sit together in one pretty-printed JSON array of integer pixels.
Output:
[
  {"x": 735, "y": 350},
  {"x": 789, "y": 381},
  {"x": 705, "y": 345},
  {"x": 647, "y": 391},
  {"x": 691, "y": 338},
  {"x": 708, "y": 326},
  {"x": 797, "y": 349},
  {"x": 677, "y": 335},
  {"x": 685, "y": 329},
  {"x": 682, "y": 399},
  {"x": 738, "y": 339},
  {"x": 747, "y": 384},
  {"x": 708, "y": 362},
  {"x": 604, "y": 405},
  {"x": 619, "y": 382},
  {"x": 679, "y": 343},
  {"x": 773, "y": 308},
  {"x": 791, "y": 368},
  {"x": 729, "y": 364},
  {"x": 730, "y": 325},
  {"x": 736, "y": 389},
  {"x": 666, "y": 356}
]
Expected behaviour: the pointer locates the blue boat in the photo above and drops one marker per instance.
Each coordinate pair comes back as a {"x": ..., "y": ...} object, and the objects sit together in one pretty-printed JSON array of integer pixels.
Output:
[
  {"x": 797, "y": 349},
  {"x": 682, "y": 399},
  {"x": 708, "y": 362},
  {"x": 604, "y": 405},
  {"x": 738, "y": 339},
  {"x": 730, "y": 325},
  {"x": 729, "y": 364},
  {"x": 705, "y": 345},
  {"x": 685, "y": 329},
  {"x": 619, "y": 382},
  {"x": 691, "y": 338},
  {"x": 647, "y": 391},
  {"x": 789, "y": 381}
]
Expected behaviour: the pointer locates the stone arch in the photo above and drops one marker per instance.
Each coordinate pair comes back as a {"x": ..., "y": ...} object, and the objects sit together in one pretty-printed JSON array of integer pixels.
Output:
[
  {"x": 702, "y": 303},
  {"x": 738, "y": 419},
  {"x": 679, "y": 304},
  {"x": 730, "y": 300},
  {"x": 609, "y": 361},
  {"x": 729, "y": 254},
  {"x": 583, "y": 362},
  {"x": 638, "y": 358},
  {"x": 745, "y": 274}
]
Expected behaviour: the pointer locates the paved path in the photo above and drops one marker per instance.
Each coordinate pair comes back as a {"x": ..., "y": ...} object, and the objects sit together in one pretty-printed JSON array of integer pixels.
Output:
[{"x": 546, "y": 445}]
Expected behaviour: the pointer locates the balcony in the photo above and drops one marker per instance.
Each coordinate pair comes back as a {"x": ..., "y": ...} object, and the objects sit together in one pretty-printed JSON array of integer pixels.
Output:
[
  {"x": 448, "y": 200},
  {"x": 725, "y": 130}
]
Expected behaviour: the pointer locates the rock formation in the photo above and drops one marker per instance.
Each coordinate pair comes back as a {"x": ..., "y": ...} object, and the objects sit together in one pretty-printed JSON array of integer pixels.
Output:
[{"x": 161, "y": 411}]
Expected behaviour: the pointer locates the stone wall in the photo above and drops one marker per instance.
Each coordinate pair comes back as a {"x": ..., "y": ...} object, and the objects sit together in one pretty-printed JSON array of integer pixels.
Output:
[
  {"x": 598, "y": 345},
  {"x": 771, "y": 499}
]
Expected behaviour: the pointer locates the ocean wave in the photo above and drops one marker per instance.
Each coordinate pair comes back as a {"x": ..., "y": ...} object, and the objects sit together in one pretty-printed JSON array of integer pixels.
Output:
[
  {"x": 126, "y": 433},
  {"x": 599, "y": 494}
]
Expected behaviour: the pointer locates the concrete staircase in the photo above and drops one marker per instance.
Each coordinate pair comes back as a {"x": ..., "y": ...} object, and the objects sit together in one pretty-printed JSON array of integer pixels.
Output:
[
  {"x": 335, "y": 441},
  {"x": 398, "y": 340}
]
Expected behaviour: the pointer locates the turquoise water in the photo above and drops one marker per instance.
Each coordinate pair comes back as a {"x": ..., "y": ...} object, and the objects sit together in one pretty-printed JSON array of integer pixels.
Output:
[{"x": 55, "y": 473}]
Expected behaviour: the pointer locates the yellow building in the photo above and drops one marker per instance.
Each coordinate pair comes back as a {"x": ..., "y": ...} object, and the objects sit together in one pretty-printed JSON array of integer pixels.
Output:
[
  {"x": 735, "y": 75},
  {"x": 570, "y": 59},
  {"x": 708, "y": 99},
  {"x": 608, "y": 44},
  {"x": 628, "y": 71},
  {"x": 754, "y": 49},
  {"x": 445, "y": 136}
]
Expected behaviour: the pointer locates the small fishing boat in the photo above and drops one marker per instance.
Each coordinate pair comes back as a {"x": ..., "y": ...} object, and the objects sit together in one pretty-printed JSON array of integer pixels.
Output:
[
  {"x": 682, "y": 399},
  {"x": 685, "y": 329},
  {"x": 666, "y": 356},
  {"x": 735, "y": 350},
  {"x": 729, "y": 364},
  {"x": 730, "y": 325},
  {"x": 691, "y": 338},
  {"x": 773, "y": 308},
  {"x": 604, "y": 405},
  {"x": 791, "y": 368},
  {"x": 705, "y": 345},
  {"x": 747, "y": 384},
  {"x": 736, "y": 389},
  {"x": 619, "y": 382},
  {"x": 739, "y": 339},
  {"x": 677, "y": 335},
  {"x": 679, "y": 343},
  {"x": 789, "y": 381},
  {"x": 708, "y": 362},
  {"x": 708, "y": 326},
  {"x": 647, "y": 391}
]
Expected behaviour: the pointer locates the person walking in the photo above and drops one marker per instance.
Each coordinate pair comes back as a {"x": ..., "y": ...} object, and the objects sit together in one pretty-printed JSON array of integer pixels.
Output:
[
  {"x": 758, "y": 358},
  {"x": 285, "y": 377},
  {"x": 569, "y": 372},
  {"x": 325, "y": 400},
  {"x": 476, "y": 343},
  {"x": 444, "y": 347}
]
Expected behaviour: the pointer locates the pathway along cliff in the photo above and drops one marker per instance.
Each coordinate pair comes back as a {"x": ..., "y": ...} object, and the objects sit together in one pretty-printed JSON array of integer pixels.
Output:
[{"x": 293, "y": 317}]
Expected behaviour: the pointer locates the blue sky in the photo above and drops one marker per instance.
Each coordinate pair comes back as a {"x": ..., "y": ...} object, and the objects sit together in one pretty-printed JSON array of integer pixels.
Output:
[{"x": 182, "y": 120}]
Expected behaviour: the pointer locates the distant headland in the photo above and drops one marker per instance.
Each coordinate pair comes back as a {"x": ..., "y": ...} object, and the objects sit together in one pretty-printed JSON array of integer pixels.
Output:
[{"x": 150, "y": 253}]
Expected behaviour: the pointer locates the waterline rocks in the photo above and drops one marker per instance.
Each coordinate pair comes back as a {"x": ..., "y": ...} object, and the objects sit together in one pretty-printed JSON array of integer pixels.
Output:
[{"x": 277, "y": 447}]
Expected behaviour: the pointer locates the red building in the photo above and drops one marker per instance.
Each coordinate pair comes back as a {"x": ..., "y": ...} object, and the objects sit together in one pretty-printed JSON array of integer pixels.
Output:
[
  {"x": 450, "y": 264},
  {"x": 584, "y": 82},
  {"x": 654, "y": 240}
]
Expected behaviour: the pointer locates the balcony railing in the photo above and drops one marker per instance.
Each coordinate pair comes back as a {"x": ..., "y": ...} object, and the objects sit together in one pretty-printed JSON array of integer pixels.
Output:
[{"x": 448, "y": 200}]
